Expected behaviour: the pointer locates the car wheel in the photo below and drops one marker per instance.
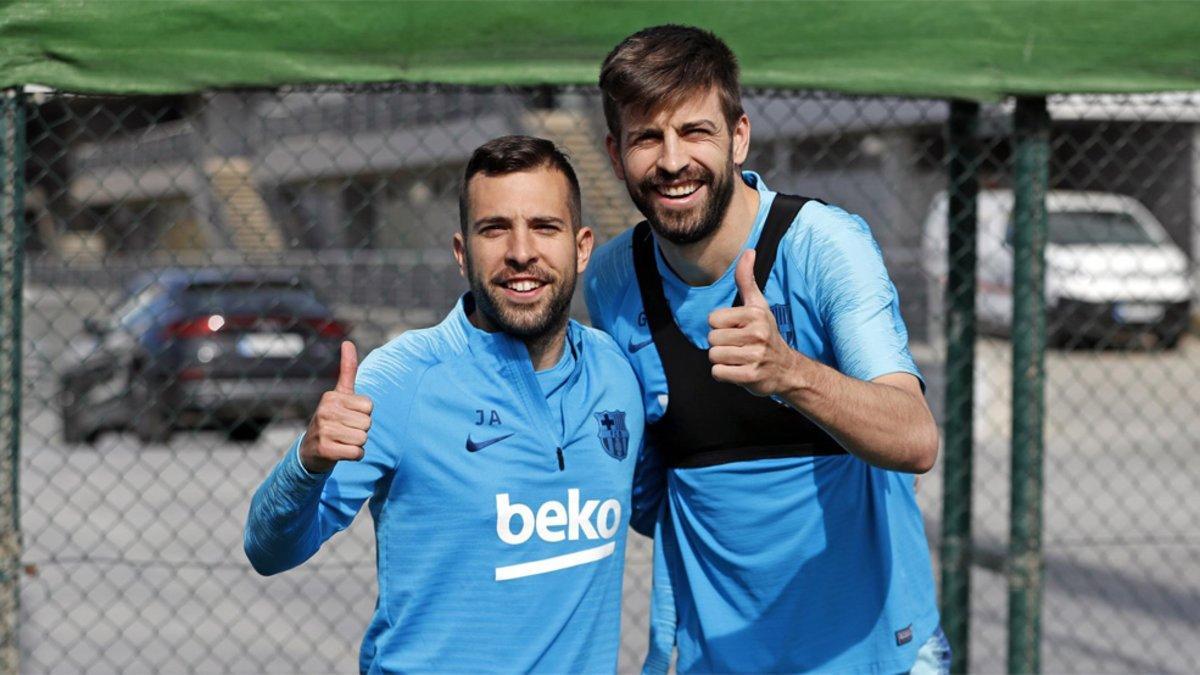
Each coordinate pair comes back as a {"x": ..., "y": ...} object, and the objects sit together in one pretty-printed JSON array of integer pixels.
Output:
[
  {"x": 1169, "y": 338},
  {"x": 150, "y": 423},
  {"x": 72, "y": 429},
  {"x": 74, "y": 435},
  {"x": 1060, "y": 337},
  {"x": 247, "y": 430}
]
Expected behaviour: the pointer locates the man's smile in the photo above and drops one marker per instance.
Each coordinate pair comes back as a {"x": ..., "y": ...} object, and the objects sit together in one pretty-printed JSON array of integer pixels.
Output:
[
  {"x": 522, "y": 288},
  {"x": 680, "y": 196}
]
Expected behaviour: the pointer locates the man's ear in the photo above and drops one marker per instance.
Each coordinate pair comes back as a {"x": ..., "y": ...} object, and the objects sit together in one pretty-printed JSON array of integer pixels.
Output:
[
  {"x": 741, "y": 140},
  {"x": 614, "y": 156},
  {"x": 584, "y": 242},
  {"x": 460, "y": 254}
]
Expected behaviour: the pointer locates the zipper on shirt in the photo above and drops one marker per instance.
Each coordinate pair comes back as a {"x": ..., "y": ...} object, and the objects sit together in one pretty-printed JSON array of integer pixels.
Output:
[{"x": 521, "y": 374}]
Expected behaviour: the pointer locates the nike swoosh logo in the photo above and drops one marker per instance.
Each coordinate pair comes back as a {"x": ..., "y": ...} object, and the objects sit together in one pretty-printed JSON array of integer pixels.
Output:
[
  {"x": 472, "y": 446},
  {"x": 638, "y": 346}
]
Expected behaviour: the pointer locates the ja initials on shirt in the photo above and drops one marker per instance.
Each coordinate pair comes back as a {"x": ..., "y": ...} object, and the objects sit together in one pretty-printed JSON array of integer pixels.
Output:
[{"x": 492, "y": 419}]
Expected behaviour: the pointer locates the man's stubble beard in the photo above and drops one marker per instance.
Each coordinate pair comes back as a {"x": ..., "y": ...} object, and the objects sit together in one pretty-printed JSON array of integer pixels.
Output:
[
  {"x": 681, "y": 232},
  {"x": 536, "y": 325}
]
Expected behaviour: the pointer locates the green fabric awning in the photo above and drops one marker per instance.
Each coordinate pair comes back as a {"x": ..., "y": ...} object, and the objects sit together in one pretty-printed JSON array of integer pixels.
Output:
[{"x": 983, "y": 49}]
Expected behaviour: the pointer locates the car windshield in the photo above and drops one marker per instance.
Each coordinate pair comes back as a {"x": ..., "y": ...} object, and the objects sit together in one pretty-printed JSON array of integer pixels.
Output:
[
  {"x": 136, "y": 308},
  {"x": 1096, "y": 227},
  {"x": 255, "y": 297}
]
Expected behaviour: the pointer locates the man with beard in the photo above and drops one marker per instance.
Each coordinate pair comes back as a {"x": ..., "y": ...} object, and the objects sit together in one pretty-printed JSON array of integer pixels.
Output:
[
  {"x": 496, "y": 448},
  {"x": 781, "y": 398}
]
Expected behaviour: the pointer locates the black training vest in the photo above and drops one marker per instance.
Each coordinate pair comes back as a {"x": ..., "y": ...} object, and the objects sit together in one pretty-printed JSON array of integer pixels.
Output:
[{"x": 709, "y": 422}]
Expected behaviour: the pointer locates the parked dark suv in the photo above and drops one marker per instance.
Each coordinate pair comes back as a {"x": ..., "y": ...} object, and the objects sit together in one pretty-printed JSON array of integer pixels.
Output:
[{"x": 203, "y": 349}]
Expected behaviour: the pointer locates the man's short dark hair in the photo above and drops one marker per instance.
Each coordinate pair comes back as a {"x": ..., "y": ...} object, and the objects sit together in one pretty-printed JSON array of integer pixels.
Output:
[
  {"x": 513, "y": 154},
  {"x": 662, "y": 66}
]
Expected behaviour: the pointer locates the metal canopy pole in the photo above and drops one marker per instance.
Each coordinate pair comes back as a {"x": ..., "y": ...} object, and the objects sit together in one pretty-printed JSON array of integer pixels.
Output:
[
  {"x": 962, "y": 152},
  {"x": 1031, "y": 154},
  {"x": 12, "y": 238}
]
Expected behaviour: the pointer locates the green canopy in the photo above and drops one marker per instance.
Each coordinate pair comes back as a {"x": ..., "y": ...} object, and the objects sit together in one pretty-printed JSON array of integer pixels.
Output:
[{"x": 982, "y": 49}]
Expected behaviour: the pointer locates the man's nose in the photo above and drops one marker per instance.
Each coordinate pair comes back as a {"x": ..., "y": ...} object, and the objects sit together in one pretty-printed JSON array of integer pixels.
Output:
[
  {"x": 672, "y": 159},
  {"x": 521, "y": 248}
]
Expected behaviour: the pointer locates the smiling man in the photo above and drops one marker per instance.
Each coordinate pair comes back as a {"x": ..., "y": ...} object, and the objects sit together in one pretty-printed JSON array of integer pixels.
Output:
[
  {"x": 496, "y": 448},
  {"x": 780, "y": 395}
]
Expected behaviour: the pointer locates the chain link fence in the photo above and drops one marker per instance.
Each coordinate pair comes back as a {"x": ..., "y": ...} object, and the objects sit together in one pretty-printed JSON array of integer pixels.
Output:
[{"x": 307, "y": 214}]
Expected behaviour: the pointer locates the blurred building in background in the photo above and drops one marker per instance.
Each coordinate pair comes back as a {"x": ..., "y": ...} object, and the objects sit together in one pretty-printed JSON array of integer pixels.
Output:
[{"x": 252, "y": 175}]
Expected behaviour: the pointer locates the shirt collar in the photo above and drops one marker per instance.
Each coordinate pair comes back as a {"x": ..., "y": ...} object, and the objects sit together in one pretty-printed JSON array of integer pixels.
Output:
[
  {"x": 755, "y": 181},
  {"x": 501, "y": 345},
  {"x": 765, "y": 197}
]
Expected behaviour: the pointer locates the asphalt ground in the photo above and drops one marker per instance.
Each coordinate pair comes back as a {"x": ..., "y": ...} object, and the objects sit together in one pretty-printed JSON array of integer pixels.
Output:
[
  {"x": 1121, "y": 509},
  {"x": 134, "y": 559}
]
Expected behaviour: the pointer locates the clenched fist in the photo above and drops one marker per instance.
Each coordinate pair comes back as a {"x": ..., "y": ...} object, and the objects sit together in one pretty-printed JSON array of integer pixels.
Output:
[
  {"x": 338, "y": 430},
  {"x": 745, "y": 346}
]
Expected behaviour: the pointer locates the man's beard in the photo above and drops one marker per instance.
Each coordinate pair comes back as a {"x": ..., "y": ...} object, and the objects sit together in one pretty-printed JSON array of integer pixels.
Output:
[
  {"x": 529, "y": 323},
  {"x": 687, "y": 227}
]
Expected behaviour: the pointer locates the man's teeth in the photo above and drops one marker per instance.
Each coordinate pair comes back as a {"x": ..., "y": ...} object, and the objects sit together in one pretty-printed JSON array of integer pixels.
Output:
[
  {"x": 679, "y": 190},
  {"x": 523, "y": 285}
]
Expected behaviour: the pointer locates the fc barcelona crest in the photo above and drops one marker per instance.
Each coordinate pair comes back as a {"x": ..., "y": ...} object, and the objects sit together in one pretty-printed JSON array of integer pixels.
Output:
[
  {"x": 614, "y": 436},
  {"x": 783, "y": 319}
]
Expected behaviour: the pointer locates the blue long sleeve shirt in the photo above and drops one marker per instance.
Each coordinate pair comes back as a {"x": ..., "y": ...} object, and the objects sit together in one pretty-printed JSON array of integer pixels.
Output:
[{"x": 500, "y": 499}]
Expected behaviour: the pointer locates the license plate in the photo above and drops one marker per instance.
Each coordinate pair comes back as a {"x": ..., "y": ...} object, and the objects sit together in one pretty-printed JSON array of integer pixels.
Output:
[
  {"x": 270, "y": 345},
  {"x": 1138, "y": 312}
]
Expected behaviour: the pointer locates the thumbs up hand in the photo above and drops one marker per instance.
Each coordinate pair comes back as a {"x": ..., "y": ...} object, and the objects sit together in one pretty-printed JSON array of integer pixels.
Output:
[
  {"x": 745, "y": 346},
  {"x": 338, "y": 430}
]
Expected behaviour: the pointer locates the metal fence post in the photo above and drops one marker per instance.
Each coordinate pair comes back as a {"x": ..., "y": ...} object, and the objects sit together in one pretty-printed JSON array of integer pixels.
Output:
[
  {"x": 12, "y": 225},
  {"x": 1031, "y": 158},
  {"x": 963, "y": 188}
]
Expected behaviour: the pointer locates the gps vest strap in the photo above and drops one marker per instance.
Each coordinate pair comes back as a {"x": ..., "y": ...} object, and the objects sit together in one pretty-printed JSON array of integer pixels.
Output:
[{"x": 708, "y": 422}]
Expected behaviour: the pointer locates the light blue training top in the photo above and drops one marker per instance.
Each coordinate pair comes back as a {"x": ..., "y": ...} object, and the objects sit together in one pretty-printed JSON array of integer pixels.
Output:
[
  {"x": 500, "y": 500},
  {"x": 781, "y": 565}
]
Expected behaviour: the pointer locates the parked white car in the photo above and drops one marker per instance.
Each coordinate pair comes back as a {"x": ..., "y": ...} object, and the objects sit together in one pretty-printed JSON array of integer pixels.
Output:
[{"x": 1111, "y": 269}]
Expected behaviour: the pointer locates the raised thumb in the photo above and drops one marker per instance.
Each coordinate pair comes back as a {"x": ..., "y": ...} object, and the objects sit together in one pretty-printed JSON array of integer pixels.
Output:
[
  {"x": 744, "y": 276},
  {"x": 348, "y": 370}
]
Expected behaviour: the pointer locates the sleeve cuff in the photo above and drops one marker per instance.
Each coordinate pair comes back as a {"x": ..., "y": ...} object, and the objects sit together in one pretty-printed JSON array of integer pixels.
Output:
[{"x": 296, "y": 471}]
